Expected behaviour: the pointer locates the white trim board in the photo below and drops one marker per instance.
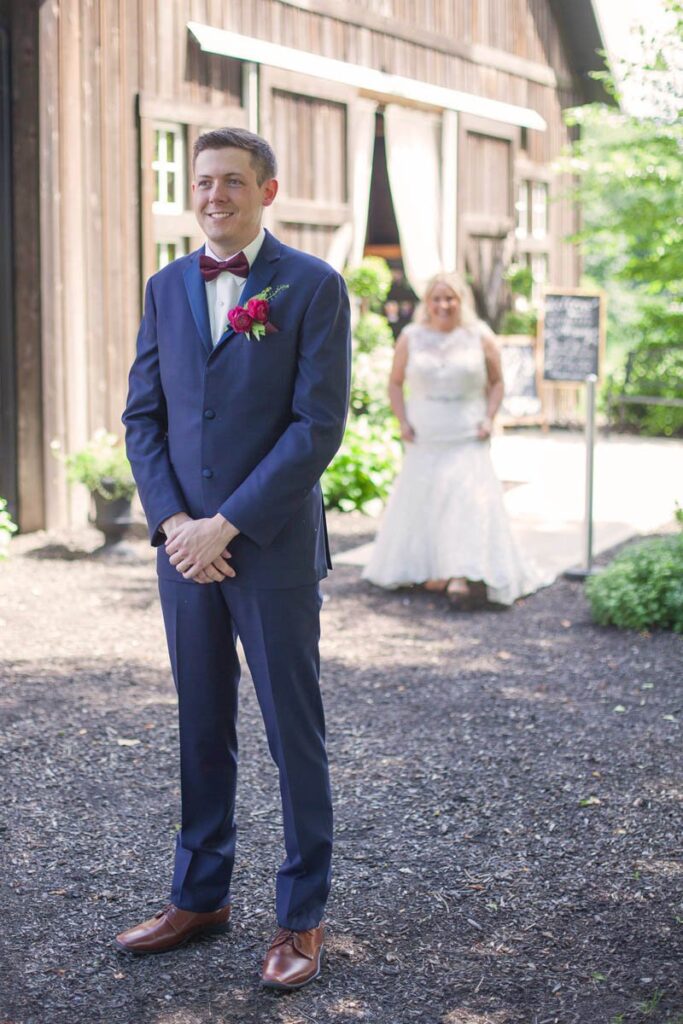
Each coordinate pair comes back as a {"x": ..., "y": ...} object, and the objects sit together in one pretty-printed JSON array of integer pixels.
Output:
[{"x": 232, "y": 44}]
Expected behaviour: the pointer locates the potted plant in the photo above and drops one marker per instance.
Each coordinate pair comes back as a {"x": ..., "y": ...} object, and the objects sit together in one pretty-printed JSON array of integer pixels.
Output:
[{"x": 103, "y": 467}]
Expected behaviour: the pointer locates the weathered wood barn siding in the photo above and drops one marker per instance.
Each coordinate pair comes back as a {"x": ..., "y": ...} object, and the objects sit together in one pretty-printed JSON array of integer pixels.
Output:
[{"x": 109, "y": 70}]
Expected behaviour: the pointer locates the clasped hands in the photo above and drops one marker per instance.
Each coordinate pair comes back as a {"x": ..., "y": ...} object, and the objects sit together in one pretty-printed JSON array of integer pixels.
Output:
[{"x": 198, "y": 548}]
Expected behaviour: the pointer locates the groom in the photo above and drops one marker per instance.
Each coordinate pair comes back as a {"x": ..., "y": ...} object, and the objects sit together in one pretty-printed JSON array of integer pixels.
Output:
[{"x": 237, "y": 401}]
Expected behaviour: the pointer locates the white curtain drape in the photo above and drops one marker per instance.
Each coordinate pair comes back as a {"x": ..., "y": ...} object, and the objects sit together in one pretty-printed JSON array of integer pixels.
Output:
[
  {"x": 349, "y": 239},
  {"x": 412, "y": 139},
  {"x": 449, "y": 190},
  {"x": 363, "y": 134}
]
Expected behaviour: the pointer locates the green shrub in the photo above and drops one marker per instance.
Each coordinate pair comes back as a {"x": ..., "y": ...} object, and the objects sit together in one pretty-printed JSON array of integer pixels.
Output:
[
  {"x": 514, "y": 322},
  {"x": 370, "y": 280},
  {"x": 364, "y": 467},
  {"x": 369, "y": 385},
  {"x": 642, "y": 588},
  {"x": 7, "y": 528},
  {"x": 373, "y": 331}
]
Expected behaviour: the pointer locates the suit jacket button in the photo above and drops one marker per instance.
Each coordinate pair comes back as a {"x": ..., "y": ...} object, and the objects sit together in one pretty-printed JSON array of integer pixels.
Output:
[
  {"x": 208, "y": 473},
  {"x": 209, "y": 414}
]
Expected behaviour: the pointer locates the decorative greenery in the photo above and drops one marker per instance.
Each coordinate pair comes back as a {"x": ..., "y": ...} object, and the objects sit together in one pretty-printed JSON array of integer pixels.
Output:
[
  {"x": 515, "y": 322},
  {"x": 7, "y": 528},
  {"x": 522, "y": 318},
  {"x": 364, "y": 467},
  {"x": 642, "y": 588},
  {"x": 101, "y": 465},
  {"x": 370, "y": 280},
  {"x": 520, "y": 280}
]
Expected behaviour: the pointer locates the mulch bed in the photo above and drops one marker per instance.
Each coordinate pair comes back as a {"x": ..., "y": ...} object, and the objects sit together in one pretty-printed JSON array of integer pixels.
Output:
[{"x": 508, "y": 790}]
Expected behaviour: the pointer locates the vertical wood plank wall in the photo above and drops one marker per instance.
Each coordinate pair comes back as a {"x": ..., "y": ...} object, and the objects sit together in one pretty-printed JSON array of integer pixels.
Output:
[
  {"x": 97, "y": 56},
  {"x": 27, "y": 299}
]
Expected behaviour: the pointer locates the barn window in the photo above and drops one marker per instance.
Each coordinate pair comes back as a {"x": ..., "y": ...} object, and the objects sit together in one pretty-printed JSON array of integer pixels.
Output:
[
  {"x": 166, "y": 252},
  {"x": 531, "y": 209},
  {"x": 168, "y": 166},
  {"x": 522, "y": 210},
  {"x": 539, "y": 209}
]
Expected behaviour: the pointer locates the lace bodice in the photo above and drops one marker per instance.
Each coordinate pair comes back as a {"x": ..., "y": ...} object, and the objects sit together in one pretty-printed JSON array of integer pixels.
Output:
[{"x": 446, "y": 382}]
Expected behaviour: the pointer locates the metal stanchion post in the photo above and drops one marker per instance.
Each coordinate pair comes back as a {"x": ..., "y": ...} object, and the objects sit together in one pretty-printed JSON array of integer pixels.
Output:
[{"x": 587, "y": 569}]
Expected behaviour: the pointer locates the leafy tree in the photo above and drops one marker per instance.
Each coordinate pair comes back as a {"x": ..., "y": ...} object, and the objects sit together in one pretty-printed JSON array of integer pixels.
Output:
[{"x": 629, "y": 167}]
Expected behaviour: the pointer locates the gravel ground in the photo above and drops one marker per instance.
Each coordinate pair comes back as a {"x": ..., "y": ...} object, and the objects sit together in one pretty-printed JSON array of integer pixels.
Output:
[{"x": 508, "y": 794}]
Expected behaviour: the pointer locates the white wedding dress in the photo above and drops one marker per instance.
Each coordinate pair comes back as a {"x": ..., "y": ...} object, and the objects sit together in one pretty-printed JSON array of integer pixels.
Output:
[{"x": 445, "y": 517}]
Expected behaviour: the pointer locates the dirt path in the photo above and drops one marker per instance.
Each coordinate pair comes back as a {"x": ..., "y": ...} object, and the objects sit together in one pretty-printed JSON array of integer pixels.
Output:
[{"x": 509, "y": 799}]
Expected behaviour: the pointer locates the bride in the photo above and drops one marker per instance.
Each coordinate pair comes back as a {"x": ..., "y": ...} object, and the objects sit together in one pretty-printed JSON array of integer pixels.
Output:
[{"x": 445, "y": 525}]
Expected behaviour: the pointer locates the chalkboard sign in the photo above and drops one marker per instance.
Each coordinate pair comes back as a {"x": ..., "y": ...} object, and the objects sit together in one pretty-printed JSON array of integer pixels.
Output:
[
  {"x": 518, "y": 356},
  {"x": 572, "y": 334}
]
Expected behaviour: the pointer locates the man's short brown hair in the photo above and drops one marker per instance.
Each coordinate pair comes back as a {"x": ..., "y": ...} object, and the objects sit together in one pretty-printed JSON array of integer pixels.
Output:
[{"x": 262, "y": 157}]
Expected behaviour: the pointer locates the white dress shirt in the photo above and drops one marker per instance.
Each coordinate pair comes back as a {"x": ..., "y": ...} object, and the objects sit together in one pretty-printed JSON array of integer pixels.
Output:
[{"x": 224, "y": 292}]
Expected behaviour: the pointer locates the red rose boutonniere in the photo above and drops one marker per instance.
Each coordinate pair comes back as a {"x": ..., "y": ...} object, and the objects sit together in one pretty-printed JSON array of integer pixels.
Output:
[{"x": 253, "y": 320}]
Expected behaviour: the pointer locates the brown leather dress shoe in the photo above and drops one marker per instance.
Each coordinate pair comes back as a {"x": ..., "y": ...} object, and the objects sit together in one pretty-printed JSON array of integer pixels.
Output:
[
  {"x": 170, "y": 928},
  {"x": 293, "y": 958}
]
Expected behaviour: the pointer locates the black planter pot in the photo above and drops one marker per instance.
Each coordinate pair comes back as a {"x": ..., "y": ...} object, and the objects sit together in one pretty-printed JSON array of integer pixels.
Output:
[{"x": 112, "y": 516}]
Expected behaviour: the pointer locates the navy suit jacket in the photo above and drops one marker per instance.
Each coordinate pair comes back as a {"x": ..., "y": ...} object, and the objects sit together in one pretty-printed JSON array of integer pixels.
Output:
[{"x": 245, "y": 428}]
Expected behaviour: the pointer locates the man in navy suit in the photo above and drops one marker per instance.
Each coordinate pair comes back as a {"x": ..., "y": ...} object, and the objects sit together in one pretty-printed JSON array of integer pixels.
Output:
[{"x": 237, "y": 402}]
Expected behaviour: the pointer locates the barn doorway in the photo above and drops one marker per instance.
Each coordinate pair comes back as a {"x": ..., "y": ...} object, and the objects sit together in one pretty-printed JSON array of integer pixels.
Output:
[{"x": 382, "y": 237}]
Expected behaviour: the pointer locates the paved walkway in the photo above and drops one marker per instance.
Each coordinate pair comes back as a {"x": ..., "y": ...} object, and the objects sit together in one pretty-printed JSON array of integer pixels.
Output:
[{"x": 637, "y": 483}]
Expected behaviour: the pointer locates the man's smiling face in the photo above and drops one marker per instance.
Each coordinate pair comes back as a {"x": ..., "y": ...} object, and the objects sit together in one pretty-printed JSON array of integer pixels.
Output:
[{"x": 227, "y": 198}]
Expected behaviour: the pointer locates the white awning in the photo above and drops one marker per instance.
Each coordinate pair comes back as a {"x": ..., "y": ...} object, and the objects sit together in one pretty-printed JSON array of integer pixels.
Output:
[{"x": 258, "y": 51}]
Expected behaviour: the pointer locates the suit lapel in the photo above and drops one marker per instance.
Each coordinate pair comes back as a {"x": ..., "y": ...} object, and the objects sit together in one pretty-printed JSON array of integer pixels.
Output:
[
  {"x": 196, "y": 293},
  {"x": 260, "y": 275}
]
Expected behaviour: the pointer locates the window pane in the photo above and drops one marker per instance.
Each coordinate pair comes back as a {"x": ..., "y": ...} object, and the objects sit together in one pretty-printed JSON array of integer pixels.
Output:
[
  {"x": 168, "y": 167},
  {"x": 522, "y": 210},
  {"x": 539, "y": 273},
  {"x": 539, "y": 209}
]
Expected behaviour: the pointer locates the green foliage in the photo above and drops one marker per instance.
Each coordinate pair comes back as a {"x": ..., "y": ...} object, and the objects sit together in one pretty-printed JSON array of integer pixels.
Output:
[
  {"x": 102, "y": 466},
  {"x": 370, "y": 280},
  {"x": 515, "y": 322},
  {"x": 369, "y": 394},
  {"x": 363, "y": 469},
  {"x": 372, "y": 331},
  {"x": 361, "y": 473},
  {"x": 654, "y": 369},
  {"x": 520, "y": 280},
  {"x": 7, "y": 528},
  {"x": 629, "y": 169},
  {"x": 642, "y": 588}
]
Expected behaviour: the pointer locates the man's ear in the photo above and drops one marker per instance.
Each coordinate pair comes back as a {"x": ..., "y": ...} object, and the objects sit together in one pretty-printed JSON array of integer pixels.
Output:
[{"x": 270, "y": 188}]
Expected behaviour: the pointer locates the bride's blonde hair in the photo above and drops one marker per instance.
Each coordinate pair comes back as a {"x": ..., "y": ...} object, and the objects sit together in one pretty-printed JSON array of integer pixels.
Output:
[{"x": 456, "y": 283}]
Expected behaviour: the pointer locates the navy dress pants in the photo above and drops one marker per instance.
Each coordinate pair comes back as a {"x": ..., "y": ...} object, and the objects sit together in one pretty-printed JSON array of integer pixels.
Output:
[{"x": 279, "y": 631}]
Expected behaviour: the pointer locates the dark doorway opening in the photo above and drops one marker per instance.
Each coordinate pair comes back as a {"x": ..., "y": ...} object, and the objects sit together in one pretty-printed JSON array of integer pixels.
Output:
[{"x": 382, "y": 238}]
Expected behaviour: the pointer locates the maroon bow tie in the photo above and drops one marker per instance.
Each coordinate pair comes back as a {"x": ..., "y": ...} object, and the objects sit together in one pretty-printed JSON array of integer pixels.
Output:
[{"x": 210, "y": 268}]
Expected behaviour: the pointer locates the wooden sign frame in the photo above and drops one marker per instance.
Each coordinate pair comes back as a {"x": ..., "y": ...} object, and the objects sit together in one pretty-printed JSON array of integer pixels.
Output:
[{"x": 595, "y": 293}]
